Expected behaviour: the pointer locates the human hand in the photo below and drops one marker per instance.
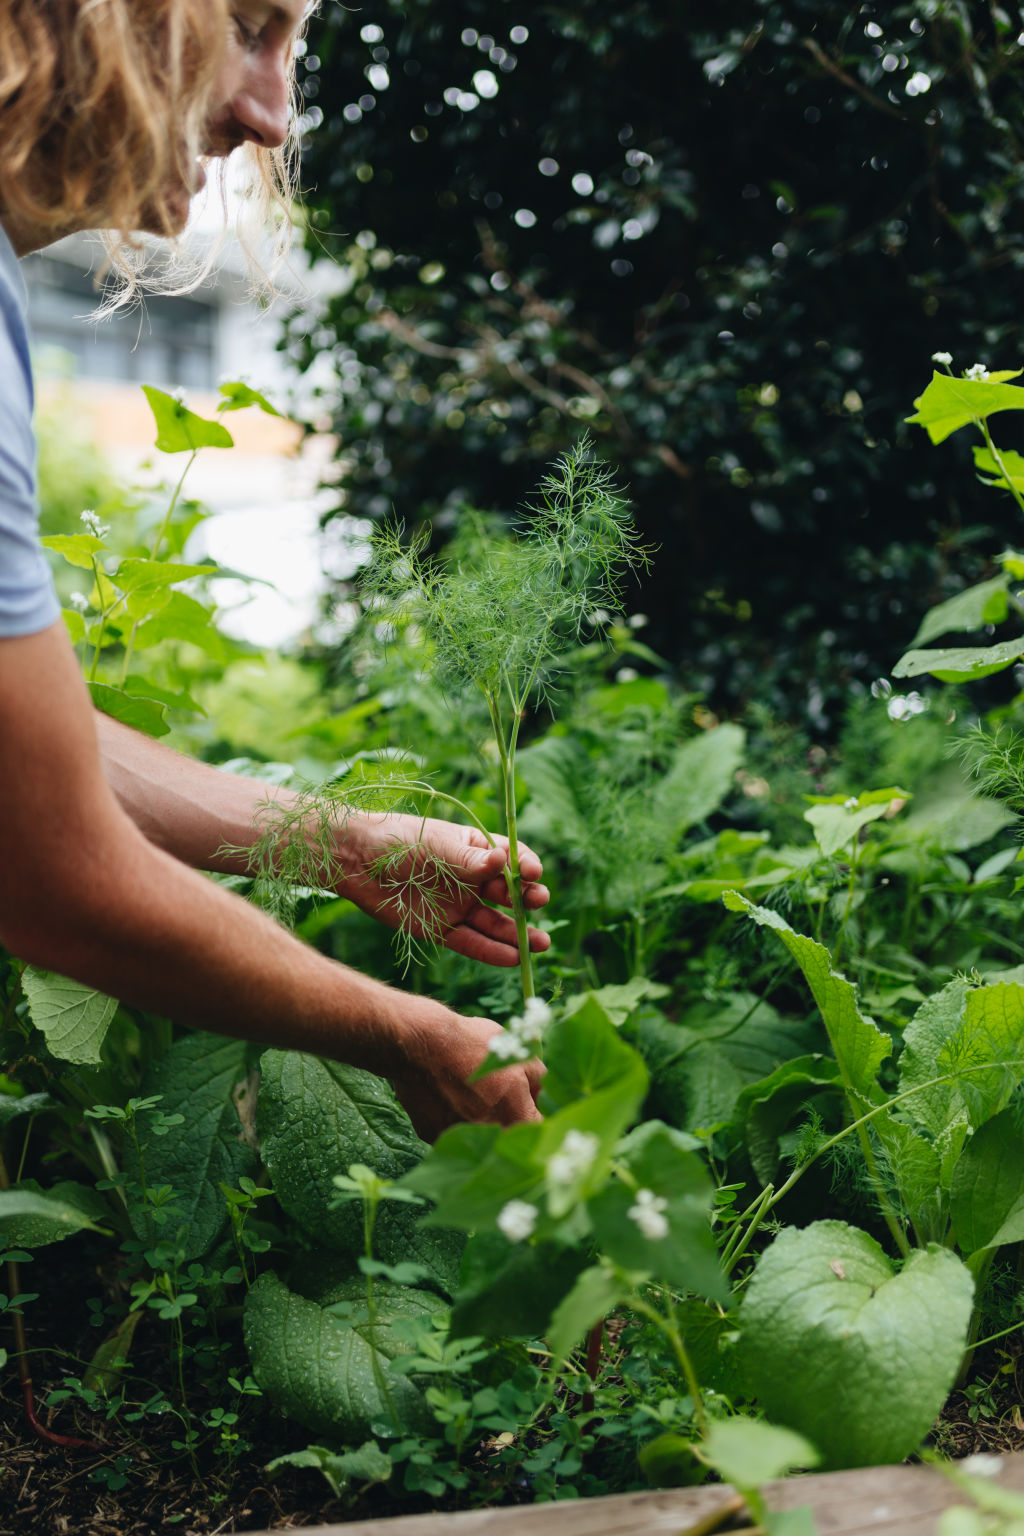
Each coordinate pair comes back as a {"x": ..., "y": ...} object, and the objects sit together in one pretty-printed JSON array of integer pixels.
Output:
[
  {"x": 441, "y": 884},
  {"x": 432, "y": 1080}
]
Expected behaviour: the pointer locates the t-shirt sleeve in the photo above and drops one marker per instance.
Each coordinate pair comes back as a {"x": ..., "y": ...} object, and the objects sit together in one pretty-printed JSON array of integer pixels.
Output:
[{"x": 28, "y": 601}]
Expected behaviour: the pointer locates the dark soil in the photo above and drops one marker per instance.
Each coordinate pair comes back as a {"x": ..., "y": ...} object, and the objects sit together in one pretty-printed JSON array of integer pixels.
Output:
[{"x": 49, "y": 1490}]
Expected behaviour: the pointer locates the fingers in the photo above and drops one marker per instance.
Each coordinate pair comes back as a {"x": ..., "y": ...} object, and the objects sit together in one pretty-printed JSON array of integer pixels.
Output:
[
  {"x": 491, "y": 937},
  {"x": 496, "y": 892}
]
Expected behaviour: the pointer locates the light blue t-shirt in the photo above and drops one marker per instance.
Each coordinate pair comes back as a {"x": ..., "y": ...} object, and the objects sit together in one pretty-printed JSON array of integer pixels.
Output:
[{"x": 28, "y": 601}]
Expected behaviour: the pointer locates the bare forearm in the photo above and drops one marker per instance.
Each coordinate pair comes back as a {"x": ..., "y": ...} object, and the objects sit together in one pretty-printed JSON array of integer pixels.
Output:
[{"x": 190, "y": 809}]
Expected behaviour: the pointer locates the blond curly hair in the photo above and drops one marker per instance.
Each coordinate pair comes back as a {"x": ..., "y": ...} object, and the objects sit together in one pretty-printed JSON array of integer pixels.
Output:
[{"x": 103, "y": 109}]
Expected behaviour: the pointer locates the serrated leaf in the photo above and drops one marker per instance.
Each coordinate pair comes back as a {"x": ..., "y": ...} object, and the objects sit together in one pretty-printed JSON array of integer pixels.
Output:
[
  {"x": 986, "y": 603},
  {"x": 315, "y": 1118},
  {"x": 31, "y": 1217},
  {"x": 179, "y": 430},
  {"x": 846, "y": 1351},
  {"x": 143, "y": 714},
  {"x": 949, "y": 404},
  {"x": 961, "y": 664},
  {"x": 335, "y": 1380},
  {"x": 196, "y": 1079},
  {"x": 859, "y": 1045},
  {"x": 73, "y": 1018}
]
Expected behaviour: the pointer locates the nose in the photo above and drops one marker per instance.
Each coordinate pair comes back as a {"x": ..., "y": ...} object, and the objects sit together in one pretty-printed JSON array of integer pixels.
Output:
[{"x": 259, "y": 107}]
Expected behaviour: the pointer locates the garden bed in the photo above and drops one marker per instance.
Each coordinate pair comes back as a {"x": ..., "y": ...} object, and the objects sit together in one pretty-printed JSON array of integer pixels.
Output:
[{"x": 882, "y": 1501}]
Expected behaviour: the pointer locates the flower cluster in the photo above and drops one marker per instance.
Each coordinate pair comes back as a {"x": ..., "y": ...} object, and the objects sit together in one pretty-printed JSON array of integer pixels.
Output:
[
  {"x": 942, "y": 358},
  {"x": 524, "y": 1032},
  {"x": 79, "y": 602},
  {"x": 648, "y": 1213},
  {"x": 93, "y": 525},
  {"x": 573, "y": 1158},
  {"x": 517, "y": 1220},
  {"x": 978, "y": 372}
]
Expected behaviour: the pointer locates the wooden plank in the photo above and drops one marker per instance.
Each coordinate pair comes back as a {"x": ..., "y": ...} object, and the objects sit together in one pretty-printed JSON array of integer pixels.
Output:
[{"x": 871, "y": 1501}]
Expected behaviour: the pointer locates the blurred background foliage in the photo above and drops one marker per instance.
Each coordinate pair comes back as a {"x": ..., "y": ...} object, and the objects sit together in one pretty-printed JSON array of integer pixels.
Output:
[{"x": 723, "y": 239}]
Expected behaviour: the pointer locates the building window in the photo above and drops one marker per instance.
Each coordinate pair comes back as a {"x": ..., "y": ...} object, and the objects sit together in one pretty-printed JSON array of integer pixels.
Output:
[{"x": 169, "y": 341}]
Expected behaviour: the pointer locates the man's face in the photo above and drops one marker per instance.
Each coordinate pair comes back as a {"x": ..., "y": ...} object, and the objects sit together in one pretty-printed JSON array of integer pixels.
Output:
[{"x": 250, "y": 98}]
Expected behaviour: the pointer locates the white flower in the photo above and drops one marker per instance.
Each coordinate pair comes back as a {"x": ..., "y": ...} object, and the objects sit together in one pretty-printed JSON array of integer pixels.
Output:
[
  {"x": 978, "y": 372},
  {"x": 93, "y": 525},
  {"x": 181, "y": 395},
  {"x": 79, "y": 602},
  {"x": 647, "y": 1213},
  {"x": 851, "y": 804},
  {"x": 942, "y": 358},
  {"x": 573, "y": 1158},
  {"x": 517, "y": 1220},
  {"x": 507, "y": 1047},
  {"x": 536, "y": 1017}
]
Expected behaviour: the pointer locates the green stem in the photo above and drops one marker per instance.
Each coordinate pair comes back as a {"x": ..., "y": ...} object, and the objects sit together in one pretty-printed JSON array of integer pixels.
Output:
[
  {"x": 994, "y": 451},
  {"x": 739, "y": 1242},
  {"x": 668, "y": 1327},
  {"x": 513, "y": 876}
]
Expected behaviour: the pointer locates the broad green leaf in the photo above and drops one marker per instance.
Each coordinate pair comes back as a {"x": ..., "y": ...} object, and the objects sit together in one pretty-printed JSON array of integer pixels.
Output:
[
  {"x": 179, "y": 430},
  {"x": 336, "y": 1380},
  {"x": 962, "y": 664},
  {"x": 143, "y": 714},
  {"x": 198, "y": 1078},
  {"x": 315, "y": 1118},
  {"x": 74, "y": 623},
  {"x": 685, "y": 1257},
  {"x": 950, "y": 817},
  {"x": 80, "y": 549},
  {"x": 766, "y": 1109},
  {"x": 236, "y": 396},
  {"x": 597, "y": 1292},
  {"x": 13, "y": 1107},
  {"x": 509, "y": 1290},
  {"x": 986, "y": 603},
  {"x": 986, "y": 1195},
  {"x": 137, "y": 575},
  {"x": 1007, "y": 471},
  {"x": 859, "y": 1045},
  {"x": 699, "y": 778},
  {"x": 846, "y": 1351},
  {"x": 74, "y": 1018},
  {"x": 949, "y": 404},
  {"x": 749, "y": 1452},
  {"x": 471, "y": 1191},
  {"x": 938, "y": 1106},
  {"x": 182, "y": 618},
  {"x": 144, "y": 687},
  {"x": 619, "y": 999},
  {"x": 835, "y": 827},
  {"x": 883, "y": 797},
  {"x": 31, "y": 1217},
  {"x": 701, "y": 1065},
  {"x": 586, "y": 1058}
]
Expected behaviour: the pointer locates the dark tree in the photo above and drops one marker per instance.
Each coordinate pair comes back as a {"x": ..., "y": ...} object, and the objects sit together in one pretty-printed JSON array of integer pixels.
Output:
[{"x": 725, "y": 239}]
